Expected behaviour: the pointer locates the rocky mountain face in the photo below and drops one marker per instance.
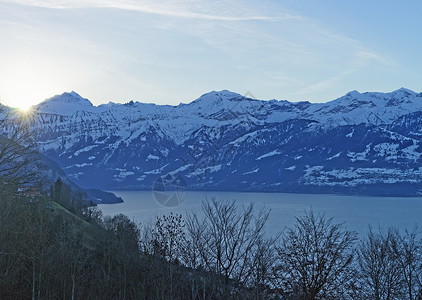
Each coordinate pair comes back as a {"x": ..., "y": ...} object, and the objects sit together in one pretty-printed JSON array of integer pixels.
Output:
[{"x": 366, "y": 143}]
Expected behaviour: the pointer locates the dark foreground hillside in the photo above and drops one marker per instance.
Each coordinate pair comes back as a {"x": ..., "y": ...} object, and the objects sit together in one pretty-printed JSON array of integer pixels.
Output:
[{"x": 50, "y": 252}]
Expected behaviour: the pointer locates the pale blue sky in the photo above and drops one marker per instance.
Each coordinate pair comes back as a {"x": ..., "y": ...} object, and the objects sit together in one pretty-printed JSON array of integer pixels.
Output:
[{"x": 173, "y": 51}]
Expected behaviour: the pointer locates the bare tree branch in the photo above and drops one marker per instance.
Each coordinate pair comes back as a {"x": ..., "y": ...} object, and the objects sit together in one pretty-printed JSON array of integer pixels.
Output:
[{"x": 315, "y": 258}]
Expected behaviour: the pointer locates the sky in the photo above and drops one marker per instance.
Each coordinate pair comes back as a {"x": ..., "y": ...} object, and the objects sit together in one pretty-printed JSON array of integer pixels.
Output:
[{"x": 173, "y": 51}]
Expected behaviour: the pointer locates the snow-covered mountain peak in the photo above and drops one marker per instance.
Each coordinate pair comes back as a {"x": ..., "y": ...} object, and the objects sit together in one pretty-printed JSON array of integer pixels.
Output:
[
  {"x": 353, "y": 93},
  {"x": 74, "y": 94},
  {"x": 220, "y": 102},
  {"x": 397, "y": 94},
  {"x": 375, "y": 96},
  {"x": 369, "y": 108},
  {"x": 404, "y": 92},
  {"x": 65, "y": 104},
  {"x": 71, "y": 97},
  {"x": 217, "y": 96}
]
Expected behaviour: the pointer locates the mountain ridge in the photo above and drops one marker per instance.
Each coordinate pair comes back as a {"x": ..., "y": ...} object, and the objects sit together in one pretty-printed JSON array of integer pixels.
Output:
[
  {"x": 223, "y": 140},
  {"x": 64, "y": 97}
]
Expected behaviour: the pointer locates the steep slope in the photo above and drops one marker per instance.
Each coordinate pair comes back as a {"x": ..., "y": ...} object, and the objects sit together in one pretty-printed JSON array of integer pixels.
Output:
[{"x": 366, "y": 142}]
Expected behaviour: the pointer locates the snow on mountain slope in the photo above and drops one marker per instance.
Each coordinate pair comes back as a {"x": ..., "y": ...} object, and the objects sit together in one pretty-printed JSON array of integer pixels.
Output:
[
  {"x": 223, "y": 140},
  {"x": 225, "y": 107},
  {"x": 65, "y": 104},
  {"x": 369, "y": 108}
]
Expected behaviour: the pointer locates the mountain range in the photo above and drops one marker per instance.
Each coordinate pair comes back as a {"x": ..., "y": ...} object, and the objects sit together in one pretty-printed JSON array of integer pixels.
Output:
[{"x": 361, "y": 143}]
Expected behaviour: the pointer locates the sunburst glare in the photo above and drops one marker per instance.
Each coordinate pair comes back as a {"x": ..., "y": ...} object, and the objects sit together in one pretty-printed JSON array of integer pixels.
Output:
[
  {"x": 24, "y": 113},
  {"x": 24, "y": 109}
]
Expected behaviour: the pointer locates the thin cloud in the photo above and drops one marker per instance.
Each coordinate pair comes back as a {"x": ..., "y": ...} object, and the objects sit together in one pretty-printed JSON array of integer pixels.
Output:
[
  {"x": 182, "y": 9},
  {"x": 363, "y": 56},
  {"x": 363, "y": 59}
]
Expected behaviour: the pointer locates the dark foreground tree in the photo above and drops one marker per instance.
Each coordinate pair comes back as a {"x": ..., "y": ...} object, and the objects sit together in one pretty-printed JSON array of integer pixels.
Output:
[
  {"x": 17, "y": 155},
  {"x": 168, "y": 237},
  {"x": 390, "y": 265},
  {"x": 228, "y": 241},
  {"x": 315, "y": 258},
  {"x": 408, "y": 249}
]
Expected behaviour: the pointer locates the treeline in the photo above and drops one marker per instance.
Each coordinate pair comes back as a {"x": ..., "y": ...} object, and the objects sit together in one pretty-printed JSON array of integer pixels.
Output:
[{"x": 47, "y": 252}]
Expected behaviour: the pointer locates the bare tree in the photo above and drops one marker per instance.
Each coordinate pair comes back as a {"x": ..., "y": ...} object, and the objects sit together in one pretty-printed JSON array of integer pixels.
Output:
[
  {"x": 169, "y": 237},
  {"x": 380, "y": 273},
  {"x": 263, "y": 260},
  {"x": 71, "y": 243},
  {"x": 92, "y": 214},
  {"x": 315, "y": 258},
  {"x": 407, "y": 250},
  {"x": 396, "y": 264},
  {"x": 121, "y": 251},
  {"x": 225, "y": 240},
  {"x": 13, "y": 214},
  {"x": 17, "y": 155}
]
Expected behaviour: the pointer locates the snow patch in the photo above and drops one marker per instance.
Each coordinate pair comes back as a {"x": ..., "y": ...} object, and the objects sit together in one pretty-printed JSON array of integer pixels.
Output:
[
  {"x": 334, "y": 156},
  {"x": 205, "y": 170},
  {"x": 123, "y": 174},
  {"x": 156, "y": 171},
  {"x": 387, "y": 150},
  {"x": 359, "y": 156},
  {"x": 411, "y": 153},
  {"x": 269, "y": 154},
  {"x": 251, "y": 172},
  {"x": 86, "y": 149},
  {"x": 79, "y": 165},
  {"x": 152, "y": 157},
  {"x": 360, "y": 176}
]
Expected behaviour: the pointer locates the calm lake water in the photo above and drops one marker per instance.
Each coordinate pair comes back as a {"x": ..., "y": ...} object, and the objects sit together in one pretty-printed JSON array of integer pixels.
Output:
[{"x": 357, "y": 212}]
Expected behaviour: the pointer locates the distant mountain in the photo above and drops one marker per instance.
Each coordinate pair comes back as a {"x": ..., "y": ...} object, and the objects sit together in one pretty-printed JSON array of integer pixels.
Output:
[
  {"x": 67, "y": 103},
  {"x": 366, "y": 143}
]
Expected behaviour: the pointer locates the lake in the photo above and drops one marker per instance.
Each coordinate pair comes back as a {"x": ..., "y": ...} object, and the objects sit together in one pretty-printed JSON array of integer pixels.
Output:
[{"x": 358, "y": 212}]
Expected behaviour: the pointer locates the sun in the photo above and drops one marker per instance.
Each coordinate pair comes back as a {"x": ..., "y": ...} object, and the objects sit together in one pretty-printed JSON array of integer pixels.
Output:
[
  {"x": 24, "y": 85},
  {"x": 24, "y": 108},
  {"x": 24, "y": 114},
  {"x": 19, "y": 99}
]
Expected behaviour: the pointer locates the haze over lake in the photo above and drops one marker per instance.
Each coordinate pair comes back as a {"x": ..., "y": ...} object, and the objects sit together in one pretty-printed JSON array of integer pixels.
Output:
[{"x": 358, "y": 212}]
